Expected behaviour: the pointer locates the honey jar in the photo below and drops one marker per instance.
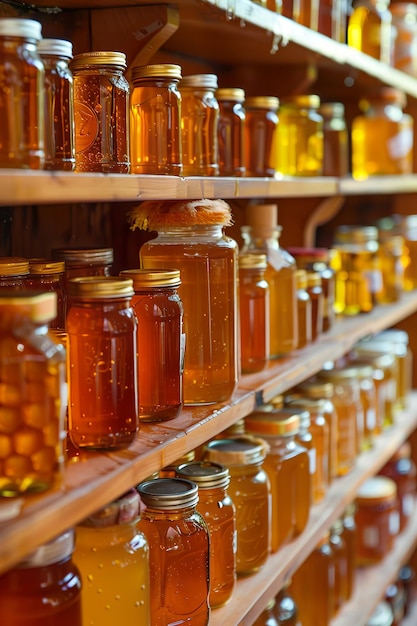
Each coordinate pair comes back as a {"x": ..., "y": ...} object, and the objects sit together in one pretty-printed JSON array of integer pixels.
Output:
[
  {"x": 84, "y": 261},
  {"x": 231, "y": 131},
  {"x": 402, "y": 470},
  {"x": 13, "y": 272},
  {"x": 370, "y": 29},
  {"x": 286, "y": 610},
  {"x": 391, "y": 253},
  {"x": 335, "y": 137},
  {"x": 260, "y": 128},
  {"x": 377, "y": 519},
  {"x": 48, "y": 275},
  {"x": 304, "y": 312},
  {"x": 340, "y": 556}
]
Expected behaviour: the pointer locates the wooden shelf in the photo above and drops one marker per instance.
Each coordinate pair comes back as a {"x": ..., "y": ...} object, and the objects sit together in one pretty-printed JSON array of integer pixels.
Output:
[
  {"x": 253, "y": 592},
  {"x": 91, "y": 480}
]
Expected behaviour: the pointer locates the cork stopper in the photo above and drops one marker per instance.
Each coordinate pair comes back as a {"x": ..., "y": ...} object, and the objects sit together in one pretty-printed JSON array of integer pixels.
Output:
[{"x": 262, "y": 218}]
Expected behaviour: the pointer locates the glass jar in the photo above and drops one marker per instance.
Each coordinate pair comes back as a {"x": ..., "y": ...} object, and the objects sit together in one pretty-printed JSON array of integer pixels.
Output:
[
  {"x": 382, "y": 136},
  {"x": 253, "y": 312},
  {"x": 340, "y": 556},
  {"x": 101, "y": 112},
  {"x": 44, "y": 588},
  {"x": 199, "y": 125},
  {"x": 382, "y": 616},
  {"x": 231, "y": 131},
  {"x": 84, "y": 261},
  {"x": 350, "y": 538},
  {"x": 178, "y": 540},
  {"x": 306, "y": 12},
  {"x": 260, "y": 128},
  {"x": 112, "y": 555},
  {"x": 33, "y": 394},
  {"x": 261, "y": 235},
  {"x": 48, "y": 275},
  {"x": 407, "y": 227},
  {"x": 59, "y": 113},
  {"x": 191, "y": 239},
  {"x": 402, "y": 470},
  {"x": 315, "y": 291},
  {"x": 101, "y": 343},
  {"x": 304, "y": 312},
  {"x": 358, "y": 276},
  {"x": 219, "y": 513},
  {"x": 155, "y": 120},
  {"x": 22, "y": 77},
  {"x": 377, "y": 519},
  {"x": 391, "y": 254},
  {"x": 13, "y": 272},
  {"x": 370, "y": 29},
  {"x": 160, "y": 342},
  {"x": 335, "y": 138},
  {"x": 287, "y": 464},
  {"x": 404, "y": 20},
  {"x": 372, "y": 420},
  {"x": 399, "y": 341},
  {"x": 299, "y": 138},
  {"x": 250, "y": 492}
]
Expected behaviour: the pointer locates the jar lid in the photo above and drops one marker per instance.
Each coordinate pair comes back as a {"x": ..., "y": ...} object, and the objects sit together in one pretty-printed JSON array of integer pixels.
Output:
[
  {"x": 236, "y": 451},
  {"x": 100, "y": 287},
  {"x": 313, "y": 405},
  {"x": 206, "y": 474},
  {"x": 314, "y": 279},
  {"x": 230, "y": 93},
  {"x": 304, "y": 101},
  {"x": 346, "y": 372},
  {"x": 168, "y": 493},
  {"x": 262, "y": 102},
  {"x": 55, "y": 47},
  {"x": 99, "y": 58},
  {"x": 376, "y": 489},
  {"x": 14, "y": 266},
  {"x": 20, "y": 27},
  {"x": 78, "y": 257},
  {"x": 40, "y": 306},
  {"x": 253, "y": 261},
  {"x": 275, "y": 423},
  {"x": 208, "y": 81},
  {"x": 123, "y": 510},
  {"x": 158, "y": 70},
  {"x": 316, "y": 389},
  {"x": 146, "y": 279},
  {"x": 52, "y": 552},
  {"x": 382, "y": 615},
  {"x": 309, "y": 255},
  {"x": 46, "y": 266}
]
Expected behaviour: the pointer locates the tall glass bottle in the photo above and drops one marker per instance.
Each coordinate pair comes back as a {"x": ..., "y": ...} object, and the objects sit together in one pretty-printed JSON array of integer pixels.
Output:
[
  {"x": 261, "y": 234},
  {"x": 231, "y": 131}
]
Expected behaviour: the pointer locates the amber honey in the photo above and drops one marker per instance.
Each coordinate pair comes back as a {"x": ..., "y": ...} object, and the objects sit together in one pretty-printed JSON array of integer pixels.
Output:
[
  {"x": 369, "y": 29},
  {"x": 340, "y": 556},
  {"x": 179, "y": 586},
  {"x": 250, "y": 492},
  {"x": 369, "y": 402},
  {"x": 260, "y": 127},
  {"x": 335, "y": 137},
  {"x": 287, "y": 464},
  {"x": 349, "y": 535},
  {"x": 402, "y": 470},
  {"x": 253, "y": 312},
  {"x": 84, "y": 261},
  {"x": 231, "y": 131},
  {"x": 315, "y": 291},
  {"x": 48, "y": 275},
  {"x": 391, "y": 253},
  {"x": 218, "y": 510},
  {"x": 304, "y": 312},
  {"x": 399, "y": 342}
]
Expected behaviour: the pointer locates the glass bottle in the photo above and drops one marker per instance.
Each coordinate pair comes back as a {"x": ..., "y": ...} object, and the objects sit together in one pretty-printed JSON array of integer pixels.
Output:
[
  {"x": 155, "y": 120},
  {"x": 45, "y": 588},
  {"x": 369, "y": 29},
  {"x": 335, "y": 139},
  {"x": 199, "y": 125},
  {"x": 287, "y": 464},
  {"x": 339, "y": 548},
  {"x": 377, "y": 519},
  {"x": 250, "y": 492},
  {"x": 298, "y": 149},
  {"x": 349, "y": 535},
  {"x": 13, "y": 272},
  {"x": 231, "y": 131},
  {"x": 33, "y": 394},
  {"x": 48, "y": 275},
  {"x": 304, "y": 311},
  {"x": 402, "y": 470},
  {"x": 179, "y": 547},
  {"x": 84, "y": 261},
  {"x": 160, "y": 342},
  {"x": 261, "y": 235},
  {"x": 315, "y": 291},
  {"x": 59, "y": 112},
  {"x": 219, "y": 513},
  {"x": 253, "y": 312},
  {"x": 382, "y": 136},
  {"x": 372, "y": 420},
  {"x": 101, "y": 343},
  {"x": 191, "y": 239},
  {"x": 22, "y": 77},
  {"x": 113, "y": 558},
  {"x": 260, "y": 128},
  {"x": 101, "y": 112}
]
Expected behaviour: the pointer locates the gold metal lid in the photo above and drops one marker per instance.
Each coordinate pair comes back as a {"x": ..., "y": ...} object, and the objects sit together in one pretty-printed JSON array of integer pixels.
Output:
[
  {"x": 313, "y": 405},
  {"x": 46, "y": 266},
  {"x": 253, "y": 261},
  {"x": 97, "y": 59},
  {"x": 100, "y": 287},
  {"x": 78, "y": 257},
  {"x": 168, "y": 493},
  {"x": 236, "y": 451},
  {"x": 262, "y": 102},
  {"x": 122, "y": 511},
  {"x": 14, "y": 266},
  {"x": 158, "y": 70},
  {"x": 305, "y": 101},
  {"x": 316, "y": 389},
  {"x": 206, "y": 474},
  {"x": 376, "y": 489},
  {"x": 279, "y": 422},
  {"x": 205, "y": 81},
  {"x": 230, "y": 93},
  {"x": 147, "y": 279},
  {"x": 40, "y": 306}
]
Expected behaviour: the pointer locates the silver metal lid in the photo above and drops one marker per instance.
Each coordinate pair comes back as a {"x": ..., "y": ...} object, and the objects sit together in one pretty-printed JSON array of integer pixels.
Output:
[
  {"x": 19, "y": 27},
  {"x": 206, "y": 474},
  {"x": 55, "y": 47},
  {"x": 168, "y": 493}
]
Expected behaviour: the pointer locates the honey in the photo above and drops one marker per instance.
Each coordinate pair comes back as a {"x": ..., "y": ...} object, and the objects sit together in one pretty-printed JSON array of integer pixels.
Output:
[
  {"x": 250, "y": 492},
  {"x": 101, "y": 343},
  {"x": 369, "y": 29},
  {"x": 402, "y": 470},
  {"x": 349, "y": 535},
  {"x": 84, "y": 261},
  {"x": 48, "y": 275},
  {"x": 254, "y": 312},
  {"x": 231, "y": 131},
  {"x": 340, "y": 556},
  {"x": 391, "y": 253},
  {"x": 304, "y": 312},
  {"x": 218, "y": 510},
  {"x": 335, "y": 137},
  {"x": 179, "y": 587},
  {"x": 287, "y": 464},
  {"x": 261, "y": 123},
  {"x": 372, "y": 420},
  {"x": 113, "y": 558},
  {"x": 404, "y": 20},
  {"x": 315, "y": 291}
]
